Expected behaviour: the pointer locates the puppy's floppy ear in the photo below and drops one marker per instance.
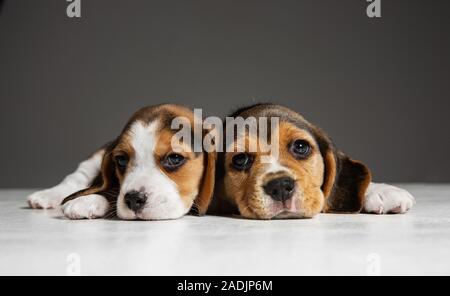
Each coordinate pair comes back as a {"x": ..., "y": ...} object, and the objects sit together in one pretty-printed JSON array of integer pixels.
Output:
[
  {"x": 106, "y": 183},
  {"x": 345, "y": 180},
  {"x": 206, "y": 190}
]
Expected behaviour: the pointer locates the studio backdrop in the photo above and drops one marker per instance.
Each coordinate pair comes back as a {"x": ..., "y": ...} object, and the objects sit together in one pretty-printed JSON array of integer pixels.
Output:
[{"x": 379, "y": 86}]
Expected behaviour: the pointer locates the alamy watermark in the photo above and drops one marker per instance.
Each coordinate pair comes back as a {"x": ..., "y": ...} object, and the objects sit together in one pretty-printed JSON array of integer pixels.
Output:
[
  {"x": 73, "y": 264},
  {"x": 248, "y": 134},
  {"x": 74, "y": 8},
  {"x": 374, "y": 9},
  {"x": 373, "y": 264}
]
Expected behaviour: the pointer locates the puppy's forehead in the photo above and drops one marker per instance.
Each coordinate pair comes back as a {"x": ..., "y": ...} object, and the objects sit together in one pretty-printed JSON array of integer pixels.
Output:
[
  {"x": 270, "y": 111},
  {"x": 143, "y": 138},
  {"x": 285, "y": 116},
  {"x": 163, "y": 114}
]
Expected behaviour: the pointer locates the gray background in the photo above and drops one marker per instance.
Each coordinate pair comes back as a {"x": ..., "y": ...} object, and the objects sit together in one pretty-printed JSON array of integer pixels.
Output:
[{"x": 380, "y": 87}]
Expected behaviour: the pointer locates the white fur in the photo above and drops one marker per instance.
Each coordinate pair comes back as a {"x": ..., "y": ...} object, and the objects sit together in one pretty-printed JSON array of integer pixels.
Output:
[
  {"x": 86, "y": 207},
  {"x": 80, "y": 179},
  {"x": 164, "y": 200},
  {"x": 274, "y": 166},
  {"x": 387, "y": 199}
]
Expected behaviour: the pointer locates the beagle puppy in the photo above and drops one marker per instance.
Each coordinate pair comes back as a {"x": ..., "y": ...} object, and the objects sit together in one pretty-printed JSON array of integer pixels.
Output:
[
  {"x": 309, "y": 175},
  {"x": 139, "y": 175}
]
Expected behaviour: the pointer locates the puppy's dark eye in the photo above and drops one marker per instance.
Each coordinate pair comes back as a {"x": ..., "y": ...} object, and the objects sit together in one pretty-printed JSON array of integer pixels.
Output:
[
  {"x": 300, "y": 149},
  {"x": 121, "y": 161},
  {"x": 173, "y": 161},
  {"x": 242, "y": 161}
]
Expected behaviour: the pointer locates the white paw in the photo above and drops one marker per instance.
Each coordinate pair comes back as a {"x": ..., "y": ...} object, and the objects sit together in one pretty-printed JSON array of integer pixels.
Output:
[
  {"x": 46, "y": 199},
  {"x": 86, "y": 207},
  {"x": 387, "y": 199}
]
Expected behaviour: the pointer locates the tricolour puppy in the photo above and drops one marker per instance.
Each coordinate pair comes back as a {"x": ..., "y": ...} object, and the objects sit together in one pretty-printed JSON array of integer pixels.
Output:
[
  {"x": 140, "y": 175},
  {"x": 307, "y": 176}
]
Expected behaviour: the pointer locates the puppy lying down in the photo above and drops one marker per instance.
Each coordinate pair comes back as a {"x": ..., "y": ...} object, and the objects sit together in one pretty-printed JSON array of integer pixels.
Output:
[
  {"x": 141, "y": 175},
  {"x": 308, "y": 176},
  {"x": 138, "y": 175}
]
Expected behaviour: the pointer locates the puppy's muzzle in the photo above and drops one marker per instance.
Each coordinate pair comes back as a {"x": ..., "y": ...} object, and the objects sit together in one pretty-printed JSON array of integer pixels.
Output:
[
  {"x": 280, "y": 189},
  {"x": 135, "y": 200}
]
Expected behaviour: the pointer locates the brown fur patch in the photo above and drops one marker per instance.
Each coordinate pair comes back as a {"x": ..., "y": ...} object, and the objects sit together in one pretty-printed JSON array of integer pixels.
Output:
[
  {"x": 188, "y": 176},
  {"x": 329, "y": 177}
]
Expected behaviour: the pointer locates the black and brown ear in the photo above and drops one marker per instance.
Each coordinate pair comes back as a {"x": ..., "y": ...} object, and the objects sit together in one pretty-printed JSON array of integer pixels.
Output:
[
  {"x": 106, "y": 183},
  {"x": 345, "y": 183},
  {"x": 345, "y": 180}
]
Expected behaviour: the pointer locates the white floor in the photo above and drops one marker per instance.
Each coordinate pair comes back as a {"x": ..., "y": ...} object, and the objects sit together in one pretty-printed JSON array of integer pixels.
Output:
[{"x": 37, "y": 242}]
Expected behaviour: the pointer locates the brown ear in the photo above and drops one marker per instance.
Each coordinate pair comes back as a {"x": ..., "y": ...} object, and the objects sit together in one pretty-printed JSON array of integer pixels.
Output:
[
  {"x": 345, "y": 183},
  {"x": 106, "y": 183},
  {"x": 206, "y": 191}
]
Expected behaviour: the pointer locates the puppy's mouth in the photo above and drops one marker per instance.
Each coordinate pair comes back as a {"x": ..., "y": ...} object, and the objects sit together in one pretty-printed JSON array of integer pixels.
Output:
[
  {"x": 289, "y": 209},
  {"x": 143, "y": 215},
  {"x": 162, "y": 209},
  {"x": 160, "y": 214},
  {"x": 288, "y": 215},
  {"x": 279, "y": 197},
  {"x": 283, "y": 214}
]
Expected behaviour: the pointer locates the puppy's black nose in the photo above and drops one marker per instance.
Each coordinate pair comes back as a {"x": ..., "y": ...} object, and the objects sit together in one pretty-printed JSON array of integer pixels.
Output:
[
  {"x": 280, "y": 189},
  {"x": 135, "y": 200}
]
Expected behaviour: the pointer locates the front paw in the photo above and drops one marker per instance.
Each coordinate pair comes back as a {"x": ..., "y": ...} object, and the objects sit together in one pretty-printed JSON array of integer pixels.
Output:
[
  {"x": 86, "y": 207},
  {"x": 45, "y": 199},
  {"x": 387, "y": 199}
]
